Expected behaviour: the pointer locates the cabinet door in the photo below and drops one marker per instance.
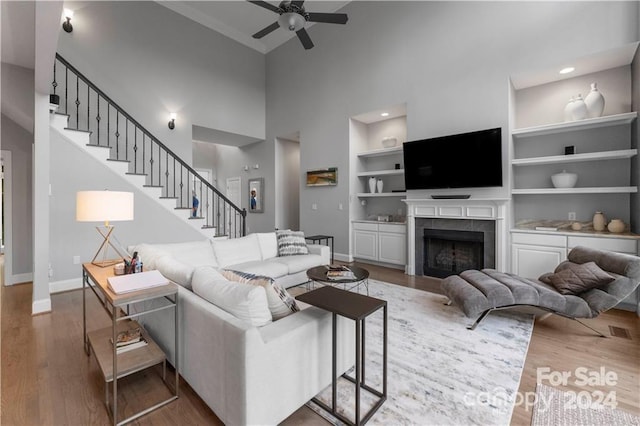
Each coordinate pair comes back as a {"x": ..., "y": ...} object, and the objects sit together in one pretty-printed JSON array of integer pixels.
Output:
[
  {"x": 533, "y": 261},
  {"x": 392, "y": 248},
  {"x": 365, "y": 244}
]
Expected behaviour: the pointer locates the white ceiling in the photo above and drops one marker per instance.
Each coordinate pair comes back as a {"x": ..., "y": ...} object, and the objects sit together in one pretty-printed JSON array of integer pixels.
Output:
[{"x": 239, "y": 19}]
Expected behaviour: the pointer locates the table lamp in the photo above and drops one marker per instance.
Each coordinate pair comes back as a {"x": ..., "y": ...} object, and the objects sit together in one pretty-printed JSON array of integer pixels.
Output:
[{"x": 104, "y": 206}]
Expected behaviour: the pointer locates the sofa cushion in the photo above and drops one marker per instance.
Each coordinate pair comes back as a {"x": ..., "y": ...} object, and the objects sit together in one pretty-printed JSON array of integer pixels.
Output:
[
  {"x": 244, "y": 301},
  {"x": 267, "y": 268},
  {"x": 237, "y": 250},
  {"x": 149, "y": 253},
  {"x": 268, "y": 245},
  {"x": 572, "y": 278},
  {"x": 194, "y": 253},
  {"x": 178, "y": 272},
  {"x": 291, "y": 243},
  {"x": 297, "y": 263},
  {"x": 280, "y": 302}
]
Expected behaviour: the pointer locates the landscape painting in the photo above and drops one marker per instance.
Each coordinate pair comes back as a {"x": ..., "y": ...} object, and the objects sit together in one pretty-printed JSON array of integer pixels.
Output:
[{"x": 323, "y": 177}]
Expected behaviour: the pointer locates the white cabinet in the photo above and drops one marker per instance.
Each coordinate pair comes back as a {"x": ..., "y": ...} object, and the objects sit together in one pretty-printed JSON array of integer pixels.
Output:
[
  {"x": 380, "y": 242},
  {"x": 532, "y": 261}
]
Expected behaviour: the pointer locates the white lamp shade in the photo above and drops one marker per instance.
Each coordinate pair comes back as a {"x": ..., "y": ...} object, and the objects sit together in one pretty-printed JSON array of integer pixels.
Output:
[{"x": 104, "y": 206}]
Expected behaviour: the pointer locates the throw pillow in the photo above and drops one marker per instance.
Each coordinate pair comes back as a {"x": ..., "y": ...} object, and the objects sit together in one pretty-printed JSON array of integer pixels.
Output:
[
  {"x": 245, "y": 302},
  {"x": 280, "y": 301},
  {"x": 291, "y": 243},
  {"x": 572, "y": 278}
]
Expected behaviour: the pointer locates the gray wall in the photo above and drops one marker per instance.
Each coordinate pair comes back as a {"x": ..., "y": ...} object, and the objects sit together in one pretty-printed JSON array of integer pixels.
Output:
[
  {"x": 635, "y": 137},
  {"x": 152, "y": 224},
  {"x": 288, "y": 183},
  {"x": 449, "y": 61},
  {"x": 152, "y": 61},
  {"x": 20, "y": 143},
  {"x": 17, "y": 95}
]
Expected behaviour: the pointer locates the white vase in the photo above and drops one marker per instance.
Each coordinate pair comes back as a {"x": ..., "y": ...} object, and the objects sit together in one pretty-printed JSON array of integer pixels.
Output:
[
  {"x": 380, "y": 185},
  {"x": 568, "y": 116},
  {"x": 372, "y": 184},
  {"x": 594, "y": 102},
  {"x": 579, "y": 110}
]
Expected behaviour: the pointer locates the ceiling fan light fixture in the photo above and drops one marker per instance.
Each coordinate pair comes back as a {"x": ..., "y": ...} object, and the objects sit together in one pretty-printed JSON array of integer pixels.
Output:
[{"x": 291, "y": 21}]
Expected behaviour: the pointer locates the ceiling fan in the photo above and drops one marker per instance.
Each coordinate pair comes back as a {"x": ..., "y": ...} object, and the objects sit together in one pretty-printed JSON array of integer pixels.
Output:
[{"x": 293, "y": 17}]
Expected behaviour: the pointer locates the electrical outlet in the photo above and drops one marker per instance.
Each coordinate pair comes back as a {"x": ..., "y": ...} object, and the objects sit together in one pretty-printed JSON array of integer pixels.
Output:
[
  {"x": 572, "y": 215},
  {"x": 76, "y": 260},
  {"x": 340, "y": 206},
  {"x": 314, "y": 206},
  {"x": 363, "y": 202},
  {"x": 50, "y": 271}
]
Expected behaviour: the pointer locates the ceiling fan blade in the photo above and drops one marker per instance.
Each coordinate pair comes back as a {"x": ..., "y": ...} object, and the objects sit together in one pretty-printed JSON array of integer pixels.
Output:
[
  {"x": 304, "y": 38},
  {"x": 329, "y": 18},
  {"x": 265, "y": 5},
  {"x": 263, "y": 32},
  {"x": 297, "y": 3}
]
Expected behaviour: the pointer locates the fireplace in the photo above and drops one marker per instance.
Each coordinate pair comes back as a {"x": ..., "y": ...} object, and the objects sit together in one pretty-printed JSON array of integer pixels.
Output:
[
  {"x": 446, "y": 247},
  {"x": 448, "y": 252}
]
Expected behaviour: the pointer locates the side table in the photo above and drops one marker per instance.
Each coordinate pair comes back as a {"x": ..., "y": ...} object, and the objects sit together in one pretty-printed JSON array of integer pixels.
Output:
[
  {"x": 113, "y": 365},
  {"x": 356, "y": 307},
  {"x": 319, "y": 239}
]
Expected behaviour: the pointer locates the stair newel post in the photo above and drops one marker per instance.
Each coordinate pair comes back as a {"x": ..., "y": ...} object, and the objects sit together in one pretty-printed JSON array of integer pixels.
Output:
[{"x": 244, "y": 222}]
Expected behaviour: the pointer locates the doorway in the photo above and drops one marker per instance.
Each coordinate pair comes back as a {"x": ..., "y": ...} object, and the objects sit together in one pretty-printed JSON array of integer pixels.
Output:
[
  {"x": 288, "y": 181},
  {"x": 6, "y": 234},
  {"x": 233, "y": 192}
]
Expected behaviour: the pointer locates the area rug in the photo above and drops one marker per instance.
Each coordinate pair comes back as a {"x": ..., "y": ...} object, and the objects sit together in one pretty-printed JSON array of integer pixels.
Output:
[
  {"x": 439, "y": 373},
  {"x": 555, "y": 407}
]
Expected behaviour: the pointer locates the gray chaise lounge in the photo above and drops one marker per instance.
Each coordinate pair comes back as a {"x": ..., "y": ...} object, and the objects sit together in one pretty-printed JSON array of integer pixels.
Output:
[{"x": 479, "y": 293}]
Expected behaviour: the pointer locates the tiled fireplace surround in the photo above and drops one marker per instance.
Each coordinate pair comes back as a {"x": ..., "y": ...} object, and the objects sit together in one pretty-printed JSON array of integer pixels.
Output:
[{"x": 482, "y": 215}]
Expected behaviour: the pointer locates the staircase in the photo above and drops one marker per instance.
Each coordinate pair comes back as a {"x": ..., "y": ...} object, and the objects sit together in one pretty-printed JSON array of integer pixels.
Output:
[{"x": 89, "y": 118}]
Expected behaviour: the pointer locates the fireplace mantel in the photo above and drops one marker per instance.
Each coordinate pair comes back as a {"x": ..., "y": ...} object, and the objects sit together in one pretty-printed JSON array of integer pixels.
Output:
[{"x": 473, "y": 208}]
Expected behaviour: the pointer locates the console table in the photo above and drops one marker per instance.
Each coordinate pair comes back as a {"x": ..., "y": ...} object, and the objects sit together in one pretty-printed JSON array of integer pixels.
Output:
[
  {"x": 356, "y": 307},
  {"x": 113, "y": 365}
]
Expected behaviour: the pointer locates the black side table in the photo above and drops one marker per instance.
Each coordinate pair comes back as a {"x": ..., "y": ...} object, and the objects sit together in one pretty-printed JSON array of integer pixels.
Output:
[
  {"x": 318, "y": 239},
  {"x": 356, "y": 307}
]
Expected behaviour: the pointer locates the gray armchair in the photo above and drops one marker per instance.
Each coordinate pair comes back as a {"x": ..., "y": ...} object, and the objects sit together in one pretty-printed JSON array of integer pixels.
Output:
[{"x": 478, "y": 293}]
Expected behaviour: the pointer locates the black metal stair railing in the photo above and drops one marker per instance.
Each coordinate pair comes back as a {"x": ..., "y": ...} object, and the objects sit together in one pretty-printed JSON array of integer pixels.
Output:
[{"x": 111, "y": 127}]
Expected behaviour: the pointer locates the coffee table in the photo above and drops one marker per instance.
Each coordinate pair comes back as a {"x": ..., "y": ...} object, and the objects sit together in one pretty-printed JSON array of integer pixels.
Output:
[
  {"x": 356, "y": 307},
  {"x": 361, "y": 276}
]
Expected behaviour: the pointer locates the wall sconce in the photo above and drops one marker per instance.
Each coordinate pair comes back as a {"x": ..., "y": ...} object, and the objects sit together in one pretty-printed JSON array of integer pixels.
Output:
[
  {"x": 172, "y": 120},
  {"x": 68, "y": 14}
]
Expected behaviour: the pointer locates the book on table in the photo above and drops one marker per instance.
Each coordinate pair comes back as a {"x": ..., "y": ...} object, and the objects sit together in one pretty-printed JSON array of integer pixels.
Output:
[
  {"x": 343, "y": 274},
  {"x": 128, "y": 340},
  {"x": 134, "y": 282}
]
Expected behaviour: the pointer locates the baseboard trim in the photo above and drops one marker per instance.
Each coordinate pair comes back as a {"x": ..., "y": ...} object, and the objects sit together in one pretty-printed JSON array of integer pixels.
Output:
[
  {"x": 20, "y": 278},
  {"x": 65, "y": 285},
  {"x": 41, "y": 306}
]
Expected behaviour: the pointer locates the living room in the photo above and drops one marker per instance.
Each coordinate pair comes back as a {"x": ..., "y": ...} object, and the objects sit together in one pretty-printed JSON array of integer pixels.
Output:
[{"x": 449, "y": 63}]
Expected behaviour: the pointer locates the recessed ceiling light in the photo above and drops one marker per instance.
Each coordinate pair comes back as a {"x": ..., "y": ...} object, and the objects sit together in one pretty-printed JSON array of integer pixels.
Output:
[
  {"x": 567, "y": 70},
  {"x": 385, "y": 114}
]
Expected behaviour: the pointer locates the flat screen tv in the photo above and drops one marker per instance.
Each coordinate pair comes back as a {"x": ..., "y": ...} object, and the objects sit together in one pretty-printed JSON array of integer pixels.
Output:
[{"x": 466, "y": 160}]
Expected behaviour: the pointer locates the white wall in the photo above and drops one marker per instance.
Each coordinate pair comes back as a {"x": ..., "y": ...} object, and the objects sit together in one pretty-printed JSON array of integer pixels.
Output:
[
  {"x": 287, "y": 184},
  {"x": 152, "y": 223},
  {"x": 152, "y": 61},
  {"x": 449, "y": 61},
  {"x": 17, "y": 95},
  {"x": 20, "y": 143}
]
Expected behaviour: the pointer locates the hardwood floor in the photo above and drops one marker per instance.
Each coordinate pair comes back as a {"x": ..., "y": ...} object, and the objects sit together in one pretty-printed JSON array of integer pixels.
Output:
[{"x": 47, "y": 379}]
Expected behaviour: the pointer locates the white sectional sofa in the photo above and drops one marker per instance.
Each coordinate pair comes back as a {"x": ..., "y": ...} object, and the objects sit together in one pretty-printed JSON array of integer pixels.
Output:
[{"x": 247, "y": 375}]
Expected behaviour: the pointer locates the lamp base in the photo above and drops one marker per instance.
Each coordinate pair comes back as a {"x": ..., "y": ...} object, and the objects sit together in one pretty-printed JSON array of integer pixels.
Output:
[
  {"x": 104, "y": 248},
  {"x": 105, "y": 263}
]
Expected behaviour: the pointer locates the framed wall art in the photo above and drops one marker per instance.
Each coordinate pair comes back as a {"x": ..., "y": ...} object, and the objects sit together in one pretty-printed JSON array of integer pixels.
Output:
[{"x": 323, "y": 177}]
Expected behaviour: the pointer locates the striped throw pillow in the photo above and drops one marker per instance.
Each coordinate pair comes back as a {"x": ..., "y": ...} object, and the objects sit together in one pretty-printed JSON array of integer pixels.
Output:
[
  {"x": 291, "y": 243},
  {"x": 280, "y": 301}
]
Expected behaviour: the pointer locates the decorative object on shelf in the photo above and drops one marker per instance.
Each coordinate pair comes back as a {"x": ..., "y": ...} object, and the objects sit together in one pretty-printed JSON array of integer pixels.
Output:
[
  {"x": 599, "y": 222},
  {"x": 397, "y": 166},
  {"x": 576, "y": 226},
  {"x": 579, "y": 110},
  {"x": 380, "y": 185},
  {"x": 389, "y": 141},
  {"x": 594, "y": 102},
  {"x": 323, "y": 177},
  {"x": 616, "y": 226},
  {"x": 569, "y": 150},
  {"x": 564, "y": 179},
  {"x": 372, "y": 184},
  {"x": 568, "y": 109}
]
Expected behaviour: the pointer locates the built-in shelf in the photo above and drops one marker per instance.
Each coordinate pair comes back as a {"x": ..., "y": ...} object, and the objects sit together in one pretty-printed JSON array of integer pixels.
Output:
[
  {"x": 588, "y": 123},
  {"x": 576, "y": 158},
  {"x": 381, "y": 194},
  {"x": 381, "y": 152},
  {"x": 393, "y": 172},
  {"x": 592, "y": 190}
]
